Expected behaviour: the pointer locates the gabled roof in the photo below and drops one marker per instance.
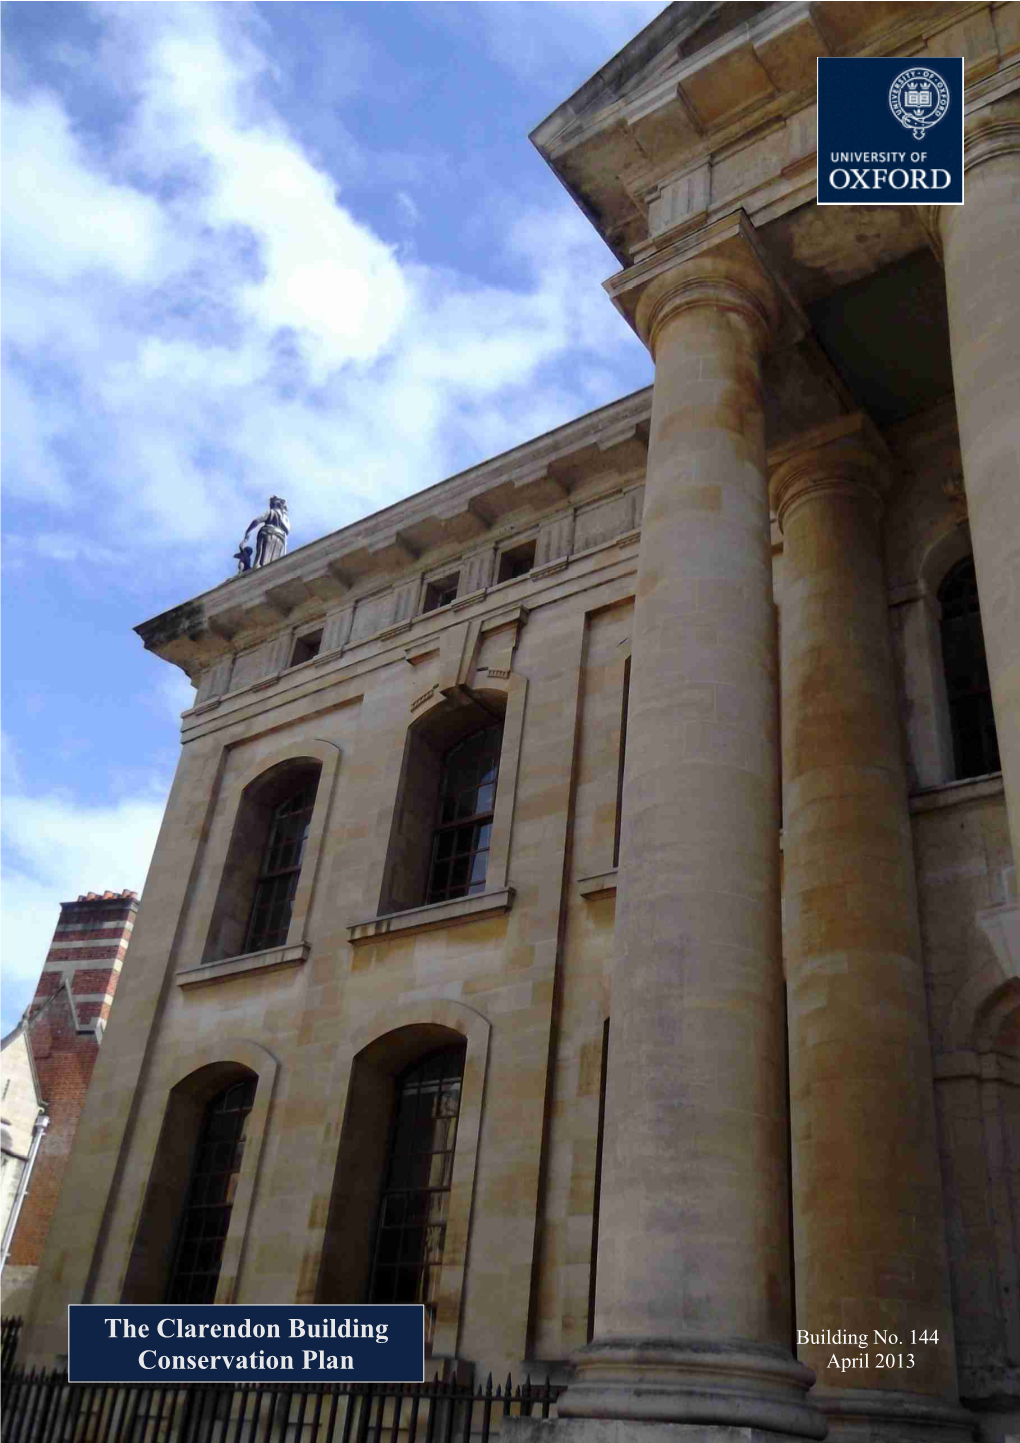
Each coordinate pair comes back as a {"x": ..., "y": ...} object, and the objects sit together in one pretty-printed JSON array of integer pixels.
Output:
[{"x": 22, "y": 1029}]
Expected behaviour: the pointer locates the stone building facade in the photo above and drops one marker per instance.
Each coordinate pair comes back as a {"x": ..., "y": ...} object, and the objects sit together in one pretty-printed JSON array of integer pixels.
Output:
[
  {"x": 48, "y": 1061},
  {"x": 587, "y": 898}
]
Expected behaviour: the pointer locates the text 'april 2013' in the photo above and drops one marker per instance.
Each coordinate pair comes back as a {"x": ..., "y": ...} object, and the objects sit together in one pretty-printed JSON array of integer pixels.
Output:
[{"x": 878, "y": 1350}]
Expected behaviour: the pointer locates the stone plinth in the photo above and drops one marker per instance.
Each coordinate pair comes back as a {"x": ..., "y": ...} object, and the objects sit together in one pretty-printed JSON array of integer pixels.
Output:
[{"x": 615, "y": 1430}]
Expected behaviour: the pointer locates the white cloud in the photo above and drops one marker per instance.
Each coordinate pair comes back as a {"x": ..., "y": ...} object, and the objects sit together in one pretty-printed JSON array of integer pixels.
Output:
[
  {"x": 47, "y": 179},
  {"x": 176, "y": 692},
  {"x": 410, "y": 215},
  {"x": 69, "y": 546},
  {"x": 55, "y": 849},
  {"x": 196, "y": 317},
  {"x": 557, "y": 36},
  {"x": 241, "y": 330}
]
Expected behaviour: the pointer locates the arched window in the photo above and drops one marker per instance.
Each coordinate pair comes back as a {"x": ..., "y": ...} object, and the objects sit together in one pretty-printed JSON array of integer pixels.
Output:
[
  {"x": 217, "y": 1165},
  {"x": 415, "y": 1201},
  {"x": 445, "y": 826},
  {"x": 280, "y": 870},
  {"x": 975, "y": 747},
  {"x": 467, "y": 799},
  {"x": 256, "y": 898}
]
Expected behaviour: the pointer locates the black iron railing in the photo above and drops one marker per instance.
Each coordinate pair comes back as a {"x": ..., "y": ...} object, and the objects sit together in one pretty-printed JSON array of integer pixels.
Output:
[
  {"x": 9, "y": 1330},
  {"x": 43, "y": 1407}
]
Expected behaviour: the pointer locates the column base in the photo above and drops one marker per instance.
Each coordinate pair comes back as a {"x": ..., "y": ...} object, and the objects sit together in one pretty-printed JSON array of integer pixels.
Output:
[
  {"x": 618, "y": 1430},
  {"x": 872, "y": 1415},
  {"x": 705, "y": 1385}
]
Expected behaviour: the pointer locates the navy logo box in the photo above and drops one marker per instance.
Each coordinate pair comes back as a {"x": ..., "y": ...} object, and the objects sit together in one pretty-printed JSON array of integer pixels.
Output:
[
  {"x": 890, "y": 131},
  {"x": 163, "y": 1343}
]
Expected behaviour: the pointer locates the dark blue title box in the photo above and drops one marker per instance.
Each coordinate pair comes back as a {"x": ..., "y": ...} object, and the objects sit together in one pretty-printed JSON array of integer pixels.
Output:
[
  {"x": 160, "y": 1343},
  {"x": 890, "y": 131}
]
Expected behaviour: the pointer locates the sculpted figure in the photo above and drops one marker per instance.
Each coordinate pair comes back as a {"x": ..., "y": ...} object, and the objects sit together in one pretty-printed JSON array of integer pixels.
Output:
[{"x": 271, "y": 539}]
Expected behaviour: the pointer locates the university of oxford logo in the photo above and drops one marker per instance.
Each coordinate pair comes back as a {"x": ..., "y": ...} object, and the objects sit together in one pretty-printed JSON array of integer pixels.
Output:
[{"x": 918, "y": 98}]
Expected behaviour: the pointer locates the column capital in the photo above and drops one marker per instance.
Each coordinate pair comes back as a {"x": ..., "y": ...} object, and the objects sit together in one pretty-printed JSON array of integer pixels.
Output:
[
  {"x": 990, "y": 134},
  {"x": 844, "y": 457},
  {"x": 721, "y": 267}
]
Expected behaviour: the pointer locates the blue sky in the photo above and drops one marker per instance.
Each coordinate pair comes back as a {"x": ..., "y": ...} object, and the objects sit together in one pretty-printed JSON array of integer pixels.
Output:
[{"x": 293, "y": 248}]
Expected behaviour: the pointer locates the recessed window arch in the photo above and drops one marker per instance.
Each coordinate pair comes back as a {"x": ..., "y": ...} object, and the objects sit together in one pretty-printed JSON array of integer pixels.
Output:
[
  {"x": 442, "y": 830},
  {"x": 265, "y": 859},
  {"x": 414, "y": 1204},
  {"x": 281, "y": 867},
  {"x": 385, "y": 1054},
  {"x": 972, "y": 720},
  {"x": 216, "y": 1168},
  {"x": 203, "y": 1153}
]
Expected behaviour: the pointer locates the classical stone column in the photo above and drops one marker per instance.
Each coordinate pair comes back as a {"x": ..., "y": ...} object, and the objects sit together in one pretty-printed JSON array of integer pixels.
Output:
[
  {"x": 869, "y": 1233},
  {"x": 692, "y": 1324},
  {"x": 981, "y": 250}
]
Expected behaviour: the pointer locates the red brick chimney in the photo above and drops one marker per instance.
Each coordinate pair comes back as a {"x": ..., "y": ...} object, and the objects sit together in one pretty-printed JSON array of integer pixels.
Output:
[{"x": 65, "y": 1021}]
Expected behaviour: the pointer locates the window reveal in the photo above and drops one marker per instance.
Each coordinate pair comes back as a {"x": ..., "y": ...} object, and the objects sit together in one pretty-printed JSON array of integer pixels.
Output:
[
  {"x": 467, "y": 800},
  {"x": 281, "y": 868},
  {"x": 306, "y": 647},
  {"x": 441, "y": 593},
  {"x": 415, "y": 1204},
  {"x": 196, "y": 1268},
  {"x": 975, "y": 746}
]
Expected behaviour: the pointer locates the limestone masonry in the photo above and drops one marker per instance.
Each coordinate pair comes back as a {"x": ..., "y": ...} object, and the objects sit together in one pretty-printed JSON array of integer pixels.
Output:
[{"x": 587, "y": 900}]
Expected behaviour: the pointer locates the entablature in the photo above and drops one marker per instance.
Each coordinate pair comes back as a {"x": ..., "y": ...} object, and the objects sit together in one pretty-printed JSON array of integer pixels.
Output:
[
  {"x": 712, "y": 107},
  {"x": 368, "y": 576}
]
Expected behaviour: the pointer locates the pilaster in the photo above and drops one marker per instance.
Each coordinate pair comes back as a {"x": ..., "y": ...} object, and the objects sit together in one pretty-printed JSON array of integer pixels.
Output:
[{"x": 980, "y": 244}]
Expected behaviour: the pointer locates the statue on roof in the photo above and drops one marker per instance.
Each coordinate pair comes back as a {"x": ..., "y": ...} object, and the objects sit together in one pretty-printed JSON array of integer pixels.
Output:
[{"x": 270, "y": 539}]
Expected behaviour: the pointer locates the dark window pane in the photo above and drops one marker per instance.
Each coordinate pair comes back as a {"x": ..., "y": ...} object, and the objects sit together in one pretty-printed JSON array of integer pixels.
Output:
[
  {"x": 383, "y": 1285},
  {"x": 414, "y": 1206},
  {"x": 281, "y": 867},
  {"x": 388, "y": 1250},
  {"x": 467, "y": 799},
  {"x": 975, "y": 744},
  {"x": 412, "y": 1245},
  {"x": 407, "y": 1286},
  {"x": 207, "y": 1210}
]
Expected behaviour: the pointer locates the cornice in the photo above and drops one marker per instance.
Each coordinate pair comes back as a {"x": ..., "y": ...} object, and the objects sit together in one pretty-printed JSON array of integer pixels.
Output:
[
  {"x": 461, "y": 512},
  {"x": 662, "y": 108}
]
